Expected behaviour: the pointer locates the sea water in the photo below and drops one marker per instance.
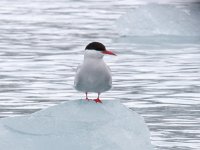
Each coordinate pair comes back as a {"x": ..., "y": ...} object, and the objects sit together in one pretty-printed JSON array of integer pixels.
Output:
[{"x": 156, "y": 71}]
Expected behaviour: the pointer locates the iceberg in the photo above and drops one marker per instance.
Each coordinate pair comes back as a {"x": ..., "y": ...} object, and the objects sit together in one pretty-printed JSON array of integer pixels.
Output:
[
  {"x": 77, "y": 125},
  {"x": 161, "y": 19}
]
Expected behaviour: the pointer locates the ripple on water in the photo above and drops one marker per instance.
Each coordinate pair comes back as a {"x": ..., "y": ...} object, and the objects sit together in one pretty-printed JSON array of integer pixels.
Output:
[{"x": 42, "y": 43}]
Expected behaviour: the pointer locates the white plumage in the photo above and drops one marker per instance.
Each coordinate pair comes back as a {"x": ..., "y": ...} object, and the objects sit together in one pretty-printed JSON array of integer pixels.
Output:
[{"x": 93, "y": 75}]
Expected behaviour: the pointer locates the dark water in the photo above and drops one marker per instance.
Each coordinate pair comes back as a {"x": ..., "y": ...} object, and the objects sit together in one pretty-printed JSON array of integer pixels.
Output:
[{"x": 42, "y": 42}]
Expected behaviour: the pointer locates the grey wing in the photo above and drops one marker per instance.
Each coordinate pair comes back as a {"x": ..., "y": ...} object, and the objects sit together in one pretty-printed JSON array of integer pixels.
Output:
[
  {"x": 77, "y": 74},
  {"x": 109, "y": 70}
]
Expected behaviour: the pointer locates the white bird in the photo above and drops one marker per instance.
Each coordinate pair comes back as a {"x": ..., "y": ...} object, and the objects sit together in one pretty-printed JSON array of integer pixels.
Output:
[{"x": 93, "y": 75}]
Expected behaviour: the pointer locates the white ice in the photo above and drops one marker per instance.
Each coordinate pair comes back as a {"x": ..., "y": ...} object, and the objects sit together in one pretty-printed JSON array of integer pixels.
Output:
[
  {"x": 77, "y": 125},
  {"x": 159, "y": 19}
]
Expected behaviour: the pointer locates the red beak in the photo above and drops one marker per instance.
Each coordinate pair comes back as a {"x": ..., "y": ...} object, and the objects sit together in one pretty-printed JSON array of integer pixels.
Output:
[{"x": 108, "y": 52}]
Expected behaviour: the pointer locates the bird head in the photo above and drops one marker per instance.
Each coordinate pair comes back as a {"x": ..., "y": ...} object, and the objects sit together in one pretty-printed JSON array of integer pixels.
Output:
[{"x": 97, "y": 49}]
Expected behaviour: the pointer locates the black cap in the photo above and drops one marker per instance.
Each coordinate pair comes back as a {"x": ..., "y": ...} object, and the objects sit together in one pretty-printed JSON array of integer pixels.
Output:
[{"x": 96, "y": 46}]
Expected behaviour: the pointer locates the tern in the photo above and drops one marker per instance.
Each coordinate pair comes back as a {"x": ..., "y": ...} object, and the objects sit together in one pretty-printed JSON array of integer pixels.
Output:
[{"x": 93, "y": 75}]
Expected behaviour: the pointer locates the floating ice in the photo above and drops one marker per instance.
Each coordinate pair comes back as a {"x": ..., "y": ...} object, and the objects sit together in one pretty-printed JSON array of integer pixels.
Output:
[
  {"x": 157, "y": 19},
  {"x": 76, "y": 125}
]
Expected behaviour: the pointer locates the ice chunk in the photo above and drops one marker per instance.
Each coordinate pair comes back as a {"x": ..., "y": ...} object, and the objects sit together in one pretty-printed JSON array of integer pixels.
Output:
[
  {"x": 159, "y": 19},
  {"x": 77, "y": 125}
]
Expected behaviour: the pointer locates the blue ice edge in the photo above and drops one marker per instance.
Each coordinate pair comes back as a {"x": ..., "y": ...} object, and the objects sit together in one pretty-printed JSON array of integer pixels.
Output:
[{"x": 77, "y": 125}]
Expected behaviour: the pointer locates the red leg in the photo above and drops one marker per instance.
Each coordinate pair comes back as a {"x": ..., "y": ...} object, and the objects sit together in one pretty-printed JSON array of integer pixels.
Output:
[
  {"x": 98, "y": 100},
  {"x": 86, "y": 98}
]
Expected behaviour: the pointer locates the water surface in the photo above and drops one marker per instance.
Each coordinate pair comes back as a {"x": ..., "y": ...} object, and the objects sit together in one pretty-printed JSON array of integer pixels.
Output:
[{"x": 42, "y": 42}]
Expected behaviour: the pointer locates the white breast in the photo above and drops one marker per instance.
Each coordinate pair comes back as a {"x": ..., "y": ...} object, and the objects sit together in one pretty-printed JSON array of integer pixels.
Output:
[{"x": 93, "y": 75}]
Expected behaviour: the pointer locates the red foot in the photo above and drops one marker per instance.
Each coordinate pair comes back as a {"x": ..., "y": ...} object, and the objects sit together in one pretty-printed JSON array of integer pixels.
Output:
[{"x": 98, "y": 100}]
